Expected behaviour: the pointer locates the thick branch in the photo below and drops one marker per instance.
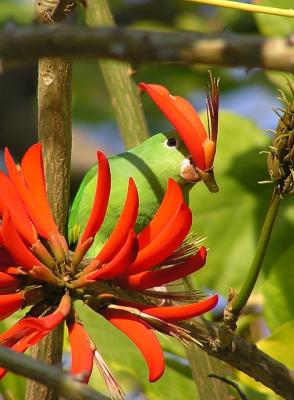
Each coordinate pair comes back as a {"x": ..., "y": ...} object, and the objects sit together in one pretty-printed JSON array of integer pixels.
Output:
[
  {"x": 54, "y": 132},
  {"x": 245, "y": 356},
  {"x": 61, "y": 381},
  {"x": 146, "y": 46}
]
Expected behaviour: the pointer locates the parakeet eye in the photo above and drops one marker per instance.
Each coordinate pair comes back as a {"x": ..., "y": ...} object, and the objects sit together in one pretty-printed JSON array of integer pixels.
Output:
[{"x": 171, "y": 142}]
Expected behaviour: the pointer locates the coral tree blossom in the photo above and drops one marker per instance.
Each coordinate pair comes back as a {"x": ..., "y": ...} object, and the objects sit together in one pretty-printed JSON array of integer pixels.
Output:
[{"x": 38, "y": 270}]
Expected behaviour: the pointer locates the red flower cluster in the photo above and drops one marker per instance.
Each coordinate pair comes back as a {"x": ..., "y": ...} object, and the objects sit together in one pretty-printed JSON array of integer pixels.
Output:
[{"x": 37, "y": 268}]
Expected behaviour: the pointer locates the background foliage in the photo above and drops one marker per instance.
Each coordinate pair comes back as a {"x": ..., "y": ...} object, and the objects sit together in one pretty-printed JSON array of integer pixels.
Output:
[{"x": 231, "y": 220}]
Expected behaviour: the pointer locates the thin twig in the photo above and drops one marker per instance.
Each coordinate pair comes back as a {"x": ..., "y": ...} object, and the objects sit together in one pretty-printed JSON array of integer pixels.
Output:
[{"x": 253, "y": 8}]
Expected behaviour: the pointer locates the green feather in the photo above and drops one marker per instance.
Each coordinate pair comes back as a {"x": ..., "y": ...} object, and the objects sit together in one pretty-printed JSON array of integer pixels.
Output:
[{"x": 150, "y": 164}]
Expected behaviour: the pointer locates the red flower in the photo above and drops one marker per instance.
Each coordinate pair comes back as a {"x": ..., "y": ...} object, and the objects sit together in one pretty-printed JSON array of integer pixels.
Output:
[
  {"x": 37, "y": 269},
  {"x": 201, "y": 145}
]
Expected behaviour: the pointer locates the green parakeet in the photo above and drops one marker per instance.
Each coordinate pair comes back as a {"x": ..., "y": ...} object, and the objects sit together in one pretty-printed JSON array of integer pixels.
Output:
[{"x": 185, "y": 155}]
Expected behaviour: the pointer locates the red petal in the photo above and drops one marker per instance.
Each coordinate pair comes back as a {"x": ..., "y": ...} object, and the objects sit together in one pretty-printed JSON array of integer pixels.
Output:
[
  {"x": 81, "y": 352},
  {"x": 183, "y": 117},
  {"x": 143, "y": 337},
  {"x": 16, "y": 247},
  {"x": 179, "y": 313},
  {"x": 172, "y": 199},
  {"x": 101, "y": 198},
  {"x": 165, "y": 243},
  {"x": 120, "y": 262},
  {"x": 7, "y": 269},
  {"x": 33, "y": 171},
  {"x": 42, "y": 222},
  {"x": 125, "y": 222},
  {"x": 149, "y": 279},
  {"x": 10, "y": 200},
  {"x": 9, "y": 281},
  {"x": 9, "y": 303},
  {"x": 39, "y": 326},
  {"x": 5, "y": 257}
]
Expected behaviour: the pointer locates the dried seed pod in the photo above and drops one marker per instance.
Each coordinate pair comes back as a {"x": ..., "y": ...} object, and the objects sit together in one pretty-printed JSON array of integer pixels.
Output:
[{"x": 281, "y": 157}]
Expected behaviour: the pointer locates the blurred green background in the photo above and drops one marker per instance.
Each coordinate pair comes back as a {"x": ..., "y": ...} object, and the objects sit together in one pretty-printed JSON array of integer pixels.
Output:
[{"x": 230, "y": 220}]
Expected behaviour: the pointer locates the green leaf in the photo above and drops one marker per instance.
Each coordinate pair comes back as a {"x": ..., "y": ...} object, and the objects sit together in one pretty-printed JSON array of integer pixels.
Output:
[
  {"x": 129, "y": 367},
  {"x": 278, "y": 291},
  {"x": 232, "y": 219},
  {"x": 13, "y": 11},
  {"x": 271, "y": 25}
]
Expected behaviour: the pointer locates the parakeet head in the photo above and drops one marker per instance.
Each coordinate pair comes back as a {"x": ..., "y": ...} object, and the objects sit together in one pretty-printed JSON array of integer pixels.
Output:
[
  {"x": 191, "y": 138},
  {"x": 173, "y": 143}
]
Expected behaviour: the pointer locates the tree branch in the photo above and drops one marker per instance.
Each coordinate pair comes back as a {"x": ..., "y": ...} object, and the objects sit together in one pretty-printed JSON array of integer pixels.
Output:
[
  {"x": 146, "y": 46},
  {"x": 245, "y": 356},
  {"x": 51, "y": 376}
]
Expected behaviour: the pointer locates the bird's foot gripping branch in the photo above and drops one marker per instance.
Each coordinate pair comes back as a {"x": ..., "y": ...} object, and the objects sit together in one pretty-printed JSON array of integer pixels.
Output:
[{"x": 38, "y": 270}]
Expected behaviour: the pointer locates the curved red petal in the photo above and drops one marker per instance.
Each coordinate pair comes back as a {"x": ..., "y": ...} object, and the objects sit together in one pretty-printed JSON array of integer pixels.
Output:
[
  {"x": 5, "y": 257},
  {"x": 183, "y": 117},
  {"x": 165, "y": 243},
  {"x": 81, "y": 352},
  {"x": 125, "y": 222},
  {"x": 14, "y": 244},
  {"x": 148, "y": 279},
  {"x": 120, "y": 262},
  {"x": 9, "y": 303},
  {"x": 142, "y": 336},
  {"x": 33, "y": 172},
  {"x": 171, "y": 201},
  {"x": 179, "y": 313},
  {"x": 8, "y": 281},
  {"x": 35, "y": 328},
  {"x": 101, "y": 198},
  {"x": 9, "y": 199},
  {"x": 43, "y": 223}
]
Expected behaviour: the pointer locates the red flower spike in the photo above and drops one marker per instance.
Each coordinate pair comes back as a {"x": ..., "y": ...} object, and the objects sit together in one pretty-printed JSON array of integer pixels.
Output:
[
  {"x": 183, "y": 117},
  {"x": 120, "y": 262},
  {"x": 12, "y": 241},
  {"x": 101, "y": 198},
  {"x": 179, "y": 313},
  {"x": 125, "y": 222},
  {"x": 43, "y": 222},
  {"x": 33, "y": 172},
  {"x": 165, "y": 243},
  {"x": 9, "y": 200},
  {"x": 142, "y": 336},
  {"x": 9, "y": 303},
  {"x": 81, "y": 352},
  {"x": 172, "y": 199},
  {"x": 148, "y": 279}
]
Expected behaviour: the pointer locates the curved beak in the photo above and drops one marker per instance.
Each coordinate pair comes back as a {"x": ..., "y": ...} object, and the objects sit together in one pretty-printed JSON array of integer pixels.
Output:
[{"x": 208, "y": 178}]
